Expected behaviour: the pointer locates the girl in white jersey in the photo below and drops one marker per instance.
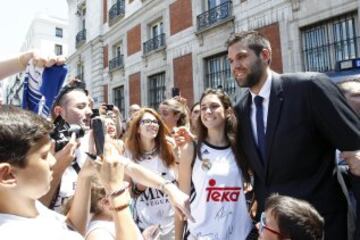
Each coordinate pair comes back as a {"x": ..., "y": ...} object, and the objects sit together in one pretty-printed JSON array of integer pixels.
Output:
[
  {"x": 213, "y": 173},
  {"x": 147, "y": 144}
]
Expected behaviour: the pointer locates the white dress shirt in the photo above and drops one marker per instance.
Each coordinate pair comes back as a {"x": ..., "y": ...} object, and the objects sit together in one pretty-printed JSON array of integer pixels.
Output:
[{"x": 265, "y": 94}]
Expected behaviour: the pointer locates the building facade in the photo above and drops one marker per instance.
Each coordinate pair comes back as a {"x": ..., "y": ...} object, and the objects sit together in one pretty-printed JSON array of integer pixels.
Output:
[
  {"x": 138, "y": 51},
  {"x": 48, "y": 35}
]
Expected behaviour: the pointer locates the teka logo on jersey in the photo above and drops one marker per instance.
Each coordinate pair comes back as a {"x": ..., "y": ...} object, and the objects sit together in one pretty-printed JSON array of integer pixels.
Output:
[{"x": 222, "y": 194}]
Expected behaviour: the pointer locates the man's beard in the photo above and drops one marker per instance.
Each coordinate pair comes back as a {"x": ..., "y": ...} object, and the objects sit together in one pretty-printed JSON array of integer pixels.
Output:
[{"x": 256, "y": 71}]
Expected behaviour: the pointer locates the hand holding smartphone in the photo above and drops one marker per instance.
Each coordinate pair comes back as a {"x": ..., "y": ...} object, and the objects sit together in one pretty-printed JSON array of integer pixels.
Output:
[{"x": 98, "y": 126}]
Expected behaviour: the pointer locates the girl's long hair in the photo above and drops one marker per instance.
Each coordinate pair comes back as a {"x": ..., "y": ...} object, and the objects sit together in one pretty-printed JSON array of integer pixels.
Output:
[
  {"x": 133, "y": 138},
  {"x": 231, "y": 127}
]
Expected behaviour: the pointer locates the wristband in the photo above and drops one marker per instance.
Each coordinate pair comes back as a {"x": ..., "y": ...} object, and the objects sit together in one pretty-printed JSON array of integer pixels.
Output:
[
  {"x": 119, "y": 208},
  {"x": 120, "y": 191}
]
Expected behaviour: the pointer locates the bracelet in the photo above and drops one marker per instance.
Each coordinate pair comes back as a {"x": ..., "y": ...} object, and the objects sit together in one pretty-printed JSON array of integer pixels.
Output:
[
  {"x": 162, "y": 186},
  {"x": 119, "y": 191},
  {"x": 119, "y": 208}
]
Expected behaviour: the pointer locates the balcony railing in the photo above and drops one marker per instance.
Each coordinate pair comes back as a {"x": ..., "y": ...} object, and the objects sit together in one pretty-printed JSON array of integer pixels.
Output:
[
  {"x": 155, "y": 43},
  {"x": 80, "y": 38},
  {"x": 214, "y": 15},
  {"x": 116, "y": 63},
  {"x": 116, "y": 11},
  {"x": 323, "y": 58}
]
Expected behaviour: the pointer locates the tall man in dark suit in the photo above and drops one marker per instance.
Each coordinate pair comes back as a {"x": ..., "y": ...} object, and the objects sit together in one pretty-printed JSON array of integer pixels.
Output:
[{"x": 289, "y": 128}]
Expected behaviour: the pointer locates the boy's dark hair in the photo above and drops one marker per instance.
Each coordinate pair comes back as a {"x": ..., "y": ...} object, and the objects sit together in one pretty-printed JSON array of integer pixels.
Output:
[
  {"x": 297, "y": 219},
  {"x": 19, "y": 131},
  {"x": 252, "y": 39}
]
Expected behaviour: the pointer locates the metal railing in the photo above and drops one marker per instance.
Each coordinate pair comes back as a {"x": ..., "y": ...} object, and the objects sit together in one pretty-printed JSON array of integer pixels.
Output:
[
  {"x": 80, "y": 38},
  {"x": 323, "y": 58},
  {"x": 116, "y": 62},
  {"x": 214, "y": 15},
  {"x": 154, "y": 43},
  {"x": 117, "y": 10}
]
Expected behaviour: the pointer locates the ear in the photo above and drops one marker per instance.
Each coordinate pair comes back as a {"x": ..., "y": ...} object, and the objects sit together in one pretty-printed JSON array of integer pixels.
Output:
[
  {"x": 7, "y": 176},
  {"x": 57, "y": 110},
  {"x": 266, "y": 55}
]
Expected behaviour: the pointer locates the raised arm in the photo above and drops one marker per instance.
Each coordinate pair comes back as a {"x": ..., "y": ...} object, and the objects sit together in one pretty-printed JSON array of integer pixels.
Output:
[{"x": 18, "y": 63}]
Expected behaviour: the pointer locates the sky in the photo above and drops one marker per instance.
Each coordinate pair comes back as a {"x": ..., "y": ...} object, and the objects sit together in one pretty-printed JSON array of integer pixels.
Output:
[{"x": 16, "y": 17}]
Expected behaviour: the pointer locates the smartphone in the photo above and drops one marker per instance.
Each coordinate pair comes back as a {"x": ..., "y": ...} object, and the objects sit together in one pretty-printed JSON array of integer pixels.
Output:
[
  {"x": 109, "y": 107},
  {"x": 98, "y": 127},
  {"x": 175, "y": 92}
]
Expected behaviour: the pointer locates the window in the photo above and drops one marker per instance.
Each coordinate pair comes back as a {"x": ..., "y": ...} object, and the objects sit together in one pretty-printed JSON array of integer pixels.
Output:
[
  {"x": 59, "y": 32},
  {"x": 58, "y": 49},
  {"x": 218, "y": 74},
  {"x": 80, "y": 71},
  {"x": 156, "y": 29},
  {"x": 156, "y": 90},
  {"x": 117, "y": 59},
  {"x": 116, "y": 50},
  {"x": 119, "y": 100},
  {"x": 214, "y": 3},
  {"x": 328, "y": 42},
  {"x": 157, "y": 37}
]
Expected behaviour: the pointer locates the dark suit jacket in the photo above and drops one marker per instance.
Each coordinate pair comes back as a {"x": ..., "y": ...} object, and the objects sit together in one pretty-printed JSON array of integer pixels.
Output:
[{"x": 308, "y": 119}]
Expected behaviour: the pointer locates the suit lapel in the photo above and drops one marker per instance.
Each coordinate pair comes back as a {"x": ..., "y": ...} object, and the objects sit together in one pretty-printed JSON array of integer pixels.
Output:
[{"x": 275, "y": 104}]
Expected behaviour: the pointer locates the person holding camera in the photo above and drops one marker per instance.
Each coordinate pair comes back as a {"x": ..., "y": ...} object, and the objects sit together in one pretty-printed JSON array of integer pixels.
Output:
[
  {"x": 26, "y": 167},
  {"x": 71, "y": 108}
]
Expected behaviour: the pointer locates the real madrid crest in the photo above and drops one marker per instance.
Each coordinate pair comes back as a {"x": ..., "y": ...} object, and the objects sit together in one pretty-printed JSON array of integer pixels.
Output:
[{"x": 206, "y": 164}]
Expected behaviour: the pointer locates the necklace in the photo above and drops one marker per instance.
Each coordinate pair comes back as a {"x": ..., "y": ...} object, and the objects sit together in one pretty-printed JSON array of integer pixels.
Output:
[{"x": 149, "y": 154}]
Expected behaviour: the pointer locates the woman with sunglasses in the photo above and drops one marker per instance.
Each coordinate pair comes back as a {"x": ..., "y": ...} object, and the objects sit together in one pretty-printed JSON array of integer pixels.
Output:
[
  {"x": 213, "y": 172},
  {"x": 147, "y": 145}
]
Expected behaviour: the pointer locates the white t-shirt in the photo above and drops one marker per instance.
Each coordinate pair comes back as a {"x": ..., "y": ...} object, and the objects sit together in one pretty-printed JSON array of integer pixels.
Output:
[
  {"x": 47, "y": 225},
  {"x": 153, "y": 206},
  {"x": 217, "y": 200},
  {"x": 70, "y": 176},
  {"x": 107, "y": 226}
]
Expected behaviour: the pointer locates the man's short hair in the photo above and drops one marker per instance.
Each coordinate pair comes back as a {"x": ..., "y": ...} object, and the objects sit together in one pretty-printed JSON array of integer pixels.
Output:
[
  {"x": 253, "y": 40},
  {"x": 19, "y": 131},
  {"x": 74, "y": 85},
  {"x": 296, "y": 219}
]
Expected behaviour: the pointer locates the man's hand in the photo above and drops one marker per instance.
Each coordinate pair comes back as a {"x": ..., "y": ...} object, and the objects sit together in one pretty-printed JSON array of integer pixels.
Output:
[
  {"x": 66, "y": 155},
  {"x": 353, "y": 159},
  {"x": 40, "y": 59},
  {"x": 180, "y": 201},
  {"x": 111, "y": 168}
]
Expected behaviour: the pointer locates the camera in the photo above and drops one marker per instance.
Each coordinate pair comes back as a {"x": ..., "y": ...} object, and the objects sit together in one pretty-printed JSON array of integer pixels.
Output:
[
  {"x": 109, "y": 107},
  {"x": 175, "y": 92},
  {"x": 63, "y": 131}
]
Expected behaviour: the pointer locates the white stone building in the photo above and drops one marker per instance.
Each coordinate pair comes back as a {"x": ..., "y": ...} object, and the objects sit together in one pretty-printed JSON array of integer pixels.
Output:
[
  {"x": 136, "y": 51},
  {"x": 47, "y": 34}
]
